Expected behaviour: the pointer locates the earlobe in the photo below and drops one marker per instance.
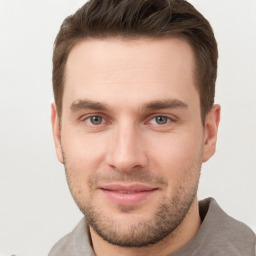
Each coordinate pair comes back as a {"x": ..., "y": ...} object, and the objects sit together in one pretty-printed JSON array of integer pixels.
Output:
[
  {"x": 56, "y": 132},
  {"x": 211, "y": 132}
]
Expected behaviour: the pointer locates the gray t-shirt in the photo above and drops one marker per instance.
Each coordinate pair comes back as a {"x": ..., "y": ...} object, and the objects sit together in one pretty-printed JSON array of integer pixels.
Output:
[{"x": 219, "y": 235}]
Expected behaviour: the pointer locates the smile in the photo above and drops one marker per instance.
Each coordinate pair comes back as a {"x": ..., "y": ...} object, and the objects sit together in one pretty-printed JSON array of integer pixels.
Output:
[
  {"x": 127, "y": 192},
  {"x": 127, "y": 195}
]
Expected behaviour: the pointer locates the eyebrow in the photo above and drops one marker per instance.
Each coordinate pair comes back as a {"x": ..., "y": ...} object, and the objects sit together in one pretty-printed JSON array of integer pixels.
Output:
[
  {"x": 154, "y": 105},
  {"x": 164, "y": 104},
  {"x": 86, "y": 104}
]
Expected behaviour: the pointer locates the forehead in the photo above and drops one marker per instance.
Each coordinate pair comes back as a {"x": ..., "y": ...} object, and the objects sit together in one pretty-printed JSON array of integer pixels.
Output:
[{"x": 139, "y": 69}]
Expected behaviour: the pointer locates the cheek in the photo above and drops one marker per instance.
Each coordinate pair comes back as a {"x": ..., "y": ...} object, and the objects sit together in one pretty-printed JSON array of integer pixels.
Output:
[
  {"x": 177, "y": 155},
  {"x": 83, "y": 154}
]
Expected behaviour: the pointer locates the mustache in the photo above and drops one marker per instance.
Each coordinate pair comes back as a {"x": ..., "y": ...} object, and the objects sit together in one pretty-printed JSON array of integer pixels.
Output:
[{"x": 132, "y": 176}]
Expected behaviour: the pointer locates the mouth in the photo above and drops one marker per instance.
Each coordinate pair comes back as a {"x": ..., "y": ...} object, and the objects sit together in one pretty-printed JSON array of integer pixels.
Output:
[{"x": 127, "y": 194}]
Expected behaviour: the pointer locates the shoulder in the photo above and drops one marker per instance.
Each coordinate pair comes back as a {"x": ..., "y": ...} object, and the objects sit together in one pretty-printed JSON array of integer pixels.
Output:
[
  {"x": 226, "y": 233},
  {"x": 63, "y": 247},
  {"x": 75, "y": 243}
]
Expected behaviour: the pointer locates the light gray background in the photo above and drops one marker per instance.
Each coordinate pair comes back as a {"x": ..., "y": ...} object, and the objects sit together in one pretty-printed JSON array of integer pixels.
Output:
[{"x": 36, "y": 208}]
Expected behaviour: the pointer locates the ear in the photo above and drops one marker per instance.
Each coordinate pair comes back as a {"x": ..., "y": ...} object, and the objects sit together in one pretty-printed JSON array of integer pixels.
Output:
[
  {"x": 210, "y": 132},
  {"x": 56, "y": 132}
]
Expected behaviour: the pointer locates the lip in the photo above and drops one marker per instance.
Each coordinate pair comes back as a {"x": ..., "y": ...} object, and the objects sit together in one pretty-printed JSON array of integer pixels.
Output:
[{"x": 127, "y": 194}]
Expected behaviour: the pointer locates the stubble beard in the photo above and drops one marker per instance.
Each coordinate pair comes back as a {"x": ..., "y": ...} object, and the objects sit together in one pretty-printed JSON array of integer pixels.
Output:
[
  {"x": 141, "y": 233},
  {"x": 129, "y": 232}
]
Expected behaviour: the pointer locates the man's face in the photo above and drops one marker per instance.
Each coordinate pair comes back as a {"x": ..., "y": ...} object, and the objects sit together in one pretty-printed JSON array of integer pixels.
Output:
[{"x": 132, "y": 138}]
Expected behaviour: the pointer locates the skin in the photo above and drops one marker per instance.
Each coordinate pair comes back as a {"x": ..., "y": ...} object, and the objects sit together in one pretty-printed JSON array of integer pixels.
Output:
[{"x": 130, "y": 86}]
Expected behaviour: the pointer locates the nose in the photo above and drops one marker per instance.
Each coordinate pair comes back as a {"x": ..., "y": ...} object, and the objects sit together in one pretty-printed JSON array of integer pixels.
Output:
[{"x": 126, "y": 150}]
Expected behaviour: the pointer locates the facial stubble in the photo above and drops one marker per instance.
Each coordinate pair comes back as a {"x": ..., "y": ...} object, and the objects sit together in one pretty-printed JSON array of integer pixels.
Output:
[{"x": 127, "y": 232}]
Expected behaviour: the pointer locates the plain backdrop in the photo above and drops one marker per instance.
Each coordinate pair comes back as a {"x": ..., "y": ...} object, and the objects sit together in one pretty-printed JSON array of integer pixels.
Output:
[{"x": 36, "y": 208}]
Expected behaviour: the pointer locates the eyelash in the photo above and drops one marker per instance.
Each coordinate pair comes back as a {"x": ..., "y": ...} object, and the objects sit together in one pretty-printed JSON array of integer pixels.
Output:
[
  {"x": 168, "y": 120},
  {"x": 88, "y": 119}
]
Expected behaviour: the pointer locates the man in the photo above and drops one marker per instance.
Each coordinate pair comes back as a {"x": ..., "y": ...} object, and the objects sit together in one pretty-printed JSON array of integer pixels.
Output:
[{"x": 133, "y": 121}]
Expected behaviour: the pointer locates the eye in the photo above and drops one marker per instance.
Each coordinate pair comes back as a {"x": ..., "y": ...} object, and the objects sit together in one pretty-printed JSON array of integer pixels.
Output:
[
  {"x": 160, "y": 120},
  {"x": 95, "y": 120}
]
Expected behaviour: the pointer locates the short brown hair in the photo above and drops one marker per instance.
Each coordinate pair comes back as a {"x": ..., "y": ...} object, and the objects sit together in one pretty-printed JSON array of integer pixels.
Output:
[{"x": 132, "y": 19}]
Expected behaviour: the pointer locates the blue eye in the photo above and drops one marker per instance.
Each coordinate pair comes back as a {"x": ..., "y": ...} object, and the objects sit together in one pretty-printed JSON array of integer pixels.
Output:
[
  {"x": 161, "y": 120},
  {"x": 96, "y": 120}
]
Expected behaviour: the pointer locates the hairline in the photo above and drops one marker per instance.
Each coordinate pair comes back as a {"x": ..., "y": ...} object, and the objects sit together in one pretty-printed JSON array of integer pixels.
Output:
[{"x": 135, "y": 37}]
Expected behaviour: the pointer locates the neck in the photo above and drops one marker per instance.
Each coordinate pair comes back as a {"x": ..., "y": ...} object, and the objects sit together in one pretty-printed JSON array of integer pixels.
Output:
[{"x": 173, "y": 242}]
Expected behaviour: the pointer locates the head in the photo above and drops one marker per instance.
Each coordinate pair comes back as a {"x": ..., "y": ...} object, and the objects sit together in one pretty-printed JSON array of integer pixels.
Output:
[
  {"x": 133, "y": 118},
  {"x": 131, "y": 19}
]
